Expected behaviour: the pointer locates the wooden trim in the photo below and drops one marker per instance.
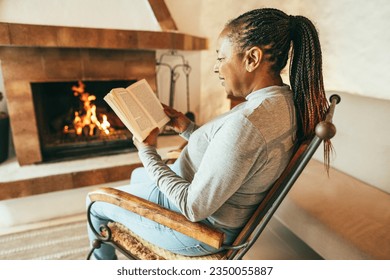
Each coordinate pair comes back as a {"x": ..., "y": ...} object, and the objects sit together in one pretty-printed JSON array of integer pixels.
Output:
[
  {"x": 30, "y": 35},
  {"x": 162, "y": 14}
]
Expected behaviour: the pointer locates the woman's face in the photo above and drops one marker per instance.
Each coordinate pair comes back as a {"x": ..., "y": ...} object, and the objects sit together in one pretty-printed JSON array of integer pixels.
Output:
[{"x": 230, "y": 66}]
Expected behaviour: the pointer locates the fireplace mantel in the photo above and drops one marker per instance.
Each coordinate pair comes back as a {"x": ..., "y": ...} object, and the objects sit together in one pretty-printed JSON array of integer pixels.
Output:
[{"x": 28, "y": 35}]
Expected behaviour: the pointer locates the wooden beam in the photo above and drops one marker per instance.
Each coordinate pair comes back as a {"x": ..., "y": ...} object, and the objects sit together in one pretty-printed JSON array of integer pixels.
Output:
[
  {"x": 29, "y": 35},
  {"x": 163, "y": 15}
]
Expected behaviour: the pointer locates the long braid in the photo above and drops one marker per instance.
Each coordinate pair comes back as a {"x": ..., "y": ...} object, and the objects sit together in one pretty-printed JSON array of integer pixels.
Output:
[
  {"x": 276, "y": 34},
  {"x": 307, "y": 81},
  {"x": 306, "y": 75}
]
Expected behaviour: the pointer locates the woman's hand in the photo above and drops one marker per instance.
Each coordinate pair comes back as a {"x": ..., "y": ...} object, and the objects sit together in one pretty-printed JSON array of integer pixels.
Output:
[
  {"x": 179, "y": 122},
  {"x": 150, "y": 141}
]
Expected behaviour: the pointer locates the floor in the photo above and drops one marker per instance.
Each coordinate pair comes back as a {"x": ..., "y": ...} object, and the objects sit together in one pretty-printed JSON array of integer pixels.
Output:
[
  {"x": 275, "y": 243},
  {"x": 278, "y": 243}
]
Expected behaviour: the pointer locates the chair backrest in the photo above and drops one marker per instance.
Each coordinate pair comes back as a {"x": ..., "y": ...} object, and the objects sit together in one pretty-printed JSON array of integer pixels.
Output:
[{"x": 249, "y": 234}]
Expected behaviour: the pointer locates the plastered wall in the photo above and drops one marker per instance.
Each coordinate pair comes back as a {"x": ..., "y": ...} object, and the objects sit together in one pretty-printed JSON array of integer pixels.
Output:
[{"x": 354, "y": 36}]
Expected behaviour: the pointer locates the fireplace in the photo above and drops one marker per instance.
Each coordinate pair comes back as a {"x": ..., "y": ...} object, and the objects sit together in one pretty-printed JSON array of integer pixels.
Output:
[
  {"x": 32, "y": 68},
  {"x": 33, "y": 54},
  {"x": 74, "y": 121}
]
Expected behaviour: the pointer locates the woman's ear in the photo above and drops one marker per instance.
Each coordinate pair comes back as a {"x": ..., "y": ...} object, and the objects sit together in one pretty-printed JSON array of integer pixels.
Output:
[{"x": 253, "y": 58}]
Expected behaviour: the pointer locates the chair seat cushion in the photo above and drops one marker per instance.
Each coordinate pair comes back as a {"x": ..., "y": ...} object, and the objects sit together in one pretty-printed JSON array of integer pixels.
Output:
[{"x": 144, "y": 250}]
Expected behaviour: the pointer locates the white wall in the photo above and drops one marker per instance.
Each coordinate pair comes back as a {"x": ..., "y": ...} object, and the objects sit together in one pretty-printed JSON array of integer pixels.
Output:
[
  {"x": 354, "y": 35},
  {"x": 119, "y": 14}
]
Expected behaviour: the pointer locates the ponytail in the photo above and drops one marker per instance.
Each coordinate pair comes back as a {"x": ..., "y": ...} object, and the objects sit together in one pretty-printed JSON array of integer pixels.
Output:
[{"x": 306, "y": 79}]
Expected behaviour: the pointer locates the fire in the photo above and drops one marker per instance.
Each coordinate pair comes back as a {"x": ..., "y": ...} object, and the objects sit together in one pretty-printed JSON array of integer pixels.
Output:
[{"x": 86, "y": 120}]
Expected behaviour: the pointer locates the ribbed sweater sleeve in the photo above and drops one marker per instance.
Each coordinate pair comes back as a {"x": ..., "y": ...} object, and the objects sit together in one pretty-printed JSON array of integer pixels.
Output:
[{"x": 229, "y": 157}]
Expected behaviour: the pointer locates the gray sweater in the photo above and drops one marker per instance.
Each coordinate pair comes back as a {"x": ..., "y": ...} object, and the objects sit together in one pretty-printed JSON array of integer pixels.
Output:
[{"x": 230, "y": 162}]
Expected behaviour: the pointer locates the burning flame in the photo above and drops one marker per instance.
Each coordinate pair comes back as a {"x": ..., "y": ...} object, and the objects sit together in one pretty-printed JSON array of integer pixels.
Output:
[{"x": 87, "y": 117}]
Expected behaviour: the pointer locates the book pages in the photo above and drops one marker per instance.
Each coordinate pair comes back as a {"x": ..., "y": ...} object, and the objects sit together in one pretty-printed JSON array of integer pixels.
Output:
[{"x": 138, "y": 108}]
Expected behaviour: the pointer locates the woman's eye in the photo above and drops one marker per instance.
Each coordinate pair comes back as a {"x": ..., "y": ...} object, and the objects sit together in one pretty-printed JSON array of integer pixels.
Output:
[{"x": 220, "y": 58}]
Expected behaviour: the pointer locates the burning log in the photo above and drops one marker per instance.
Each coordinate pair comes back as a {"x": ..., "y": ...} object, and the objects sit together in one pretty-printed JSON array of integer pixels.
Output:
[{"x": 86, "y": 121}]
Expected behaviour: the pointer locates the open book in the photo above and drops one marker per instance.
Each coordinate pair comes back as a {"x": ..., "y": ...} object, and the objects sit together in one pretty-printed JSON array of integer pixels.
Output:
[{"x": 138, "y": 108}]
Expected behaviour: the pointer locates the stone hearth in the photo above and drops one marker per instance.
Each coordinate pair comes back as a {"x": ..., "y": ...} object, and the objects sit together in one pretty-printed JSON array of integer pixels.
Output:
[{"x": 20, "y": 181}]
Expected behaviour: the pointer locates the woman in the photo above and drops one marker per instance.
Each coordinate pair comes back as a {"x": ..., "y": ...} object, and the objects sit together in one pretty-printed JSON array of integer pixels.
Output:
[{"x": 230, "y": 162}]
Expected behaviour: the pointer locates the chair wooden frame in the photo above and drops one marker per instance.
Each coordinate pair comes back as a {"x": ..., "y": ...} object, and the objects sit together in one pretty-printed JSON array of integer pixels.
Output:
[{"x": 325, "y": 130}]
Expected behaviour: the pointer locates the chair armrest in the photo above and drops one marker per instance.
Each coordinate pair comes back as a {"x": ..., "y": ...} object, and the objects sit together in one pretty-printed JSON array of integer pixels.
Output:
[{"x": 159, "y": 214}]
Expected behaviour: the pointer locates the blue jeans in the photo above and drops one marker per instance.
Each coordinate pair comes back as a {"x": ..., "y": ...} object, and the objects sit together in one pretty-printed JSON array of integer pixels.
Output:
[{"x": 162, "y": 236}]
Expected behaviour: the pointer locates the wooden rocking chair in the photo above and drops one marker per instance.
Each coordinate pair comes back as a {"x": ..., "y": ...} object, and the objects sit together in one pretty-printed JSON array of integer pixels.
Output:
[{"x": 134, "y": 247}]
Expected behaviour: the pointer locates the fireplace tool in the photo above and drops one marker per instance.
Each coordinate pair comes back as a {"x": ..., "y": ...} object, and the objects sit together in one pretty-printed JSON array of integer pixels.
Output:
[
  {"x": 174, "y": 75},
  {"x": 187, "y": 71}
]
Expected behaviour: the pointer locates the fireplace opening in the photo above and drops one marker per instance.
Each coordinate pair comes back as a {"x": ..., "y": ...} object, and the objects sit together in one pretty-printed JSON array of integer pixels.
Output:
[{"x": 75, "y": 122}]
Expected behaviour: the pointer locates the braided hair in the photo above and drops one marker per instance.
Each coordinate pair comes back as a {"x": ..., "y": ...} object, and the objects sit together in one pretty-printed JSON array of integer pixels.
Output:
[{"x": 276, "y": 33}]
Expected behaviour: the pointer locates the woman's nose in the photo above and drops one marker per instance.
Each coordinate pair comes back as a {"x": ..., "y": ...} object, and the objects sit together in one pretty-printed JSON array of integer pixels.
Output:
[{"x": 216, "y": 67}]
